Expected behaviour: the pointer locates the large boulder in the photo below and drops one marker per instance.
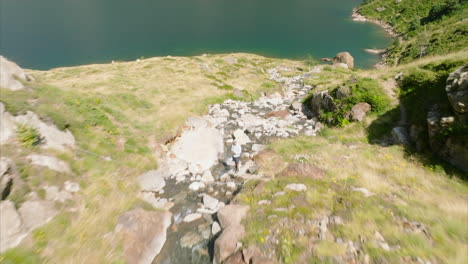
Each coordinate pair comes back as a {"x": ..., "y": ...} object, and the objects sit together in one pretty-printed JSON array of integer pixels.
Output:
[
  {"x": 201, "y": 147},
  {"x": 143, "y": 233},
  {"x": 322, "y": 101},
  {"x": 345, "y": 58},
  {"x": 302, "y": 170},
  {"x": 232, "y": 215},
  {"x": 226, "y": 244},
  {"x": 11, "y": 226},
  {"x": 11, "y": 75},
  {"x": 457, "y": 92},
  {"x": 36, "y": 213},
  {"x": 358, "y": 112}
]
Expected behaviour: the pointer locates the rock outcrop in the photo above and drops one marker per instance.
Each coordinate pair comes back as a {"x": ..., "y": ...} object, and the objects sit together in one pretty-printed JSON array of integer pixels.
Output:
[
  {"x": 144, "y": 234},
  {"x": 358, "y": 112},
  {"x": 457, "y": 92},
  {"x": 12, "y": 76},
  {"x": 345, "y": 58},
  {"x": 8, "y": 127}
]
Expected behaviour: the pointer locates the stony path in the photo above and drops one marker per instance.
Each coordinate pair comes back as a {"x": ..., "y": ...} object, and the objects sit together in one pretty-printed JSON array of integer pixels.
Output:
[{"x": 196, "y": 178}]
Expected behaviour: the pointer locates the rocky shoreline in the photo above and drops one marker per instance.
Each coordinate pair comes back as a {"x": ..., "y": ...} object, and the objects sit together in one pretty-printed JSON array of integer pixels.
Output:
[{"x": 356, "y": 16}]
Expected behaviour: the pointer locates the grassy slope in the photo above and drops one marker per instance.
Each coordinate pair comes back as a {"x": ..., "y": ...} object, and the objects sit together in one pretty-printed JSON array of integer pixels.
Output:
[
  {"x": 125, "y": 111},
  {"x": 436, "y": 32},
  {"x": 407, "y": 186}
]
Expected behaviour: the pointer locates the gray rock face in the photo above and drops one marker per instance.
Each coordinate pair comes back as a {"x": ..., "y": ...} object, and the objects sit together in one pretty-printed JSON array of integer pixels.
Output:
[
  {"x": 36, "y": 213},
  {"x": 358, "y": 112},
  {"x": 11, "y": 75},
  {"x": 51, "y": 136},
  {"x": 6, "y": 177},
  {"x": 50, "y": 162},
  {"x": 8, "y": 125},
  {"x": 400, "y": 136},
  {"x": 322, "y": 100},
  {"x": 457, "y": 92},
  {"x": 152, "y": 181},
  {"x": 144, "y": 234},
  {"x": 11, "y": 226},
  {"x": 343, "y": 92},
  {"x": 345, "y": 58}
]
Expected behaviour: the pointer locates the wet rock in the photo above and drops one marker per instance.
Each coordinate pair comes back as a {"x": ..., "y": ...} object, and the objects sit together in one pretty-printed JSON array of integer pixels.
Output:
[
  {"x": 358, "y": 112},
  {"x": 232, "y": 215},
  {"x": 210, "y": 202},
  {"x": 11, "y": 75},
  {"x": 11, "y": 226},
  {"x": 190, "y": 239},
  {"x": 50, "y": 162},
  {"x": 144, "y": 234},
  {"x": 152, "y": 181},
  {"x": 302, "y": 170},
  {"x": 215, "y": 228},
  {"x": 298, "y": 187},
  {"x": 192, "y": 217}
]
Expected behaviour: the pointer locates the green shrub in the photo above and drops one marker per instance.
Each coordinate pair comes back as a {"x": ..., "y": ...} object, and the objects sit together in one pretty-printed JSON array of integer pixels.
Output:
[
  {"x": 28, "y": 136},
  {"x": 363, "y": 90}
]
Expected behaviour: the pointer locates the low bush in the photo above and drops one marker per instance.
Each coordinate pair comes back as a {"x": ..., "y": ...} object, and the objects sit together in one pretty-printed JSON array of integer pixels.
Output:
[{"x": 28, "y": 136}]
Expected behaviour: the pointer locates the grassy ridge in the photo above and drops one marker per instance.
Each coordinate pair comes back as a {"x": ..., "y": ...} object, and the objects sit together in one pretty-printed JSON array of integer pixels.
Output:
[{"x": 429, "y": 27}]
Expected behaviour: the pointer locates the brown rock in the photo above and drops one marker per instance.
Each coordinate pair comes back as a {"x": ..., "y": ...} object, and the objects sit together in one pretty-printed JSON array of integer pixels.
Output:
[
  {"x": 226, "y": 244},
  {"x": 358, "y": 112},
  {"x": 231, "y": 215},
  {"x": 262, "y": 260},
  {"x": 278, "y": 114},
  {"x": 235, "y": 258},
  {"x": 144, "y": 234},
  {"x": 250, "y": 252},
  {"x": 302, "y": 170},
  {"x": 344, "y": 57}
]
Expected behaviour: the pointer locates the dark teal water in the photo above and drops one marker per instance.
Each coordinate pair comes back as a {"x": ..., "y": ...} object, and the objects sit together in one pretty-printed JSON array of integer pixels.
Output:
[{"x": 43, "y": 34}]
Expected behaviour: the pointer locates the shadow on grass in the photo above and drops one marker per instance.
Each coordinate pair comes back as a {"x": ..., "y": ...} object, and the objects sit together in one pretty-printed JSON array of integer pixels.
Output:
[{"x": 379, "y": 132}]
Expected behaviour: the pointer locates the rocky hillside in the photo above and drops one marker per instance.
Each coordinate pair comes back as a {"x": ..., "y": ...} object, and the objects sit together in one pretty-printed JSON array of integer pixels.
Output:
[
  {"x": 421, "y": 28},
  {"x": 130, "y": 162}
]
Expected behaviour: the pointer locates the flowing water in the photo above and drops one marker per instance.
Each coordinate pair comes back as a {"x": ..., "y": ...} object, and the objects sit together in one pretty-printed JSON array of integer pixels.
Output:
[{"x": 51, "y": 33}]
